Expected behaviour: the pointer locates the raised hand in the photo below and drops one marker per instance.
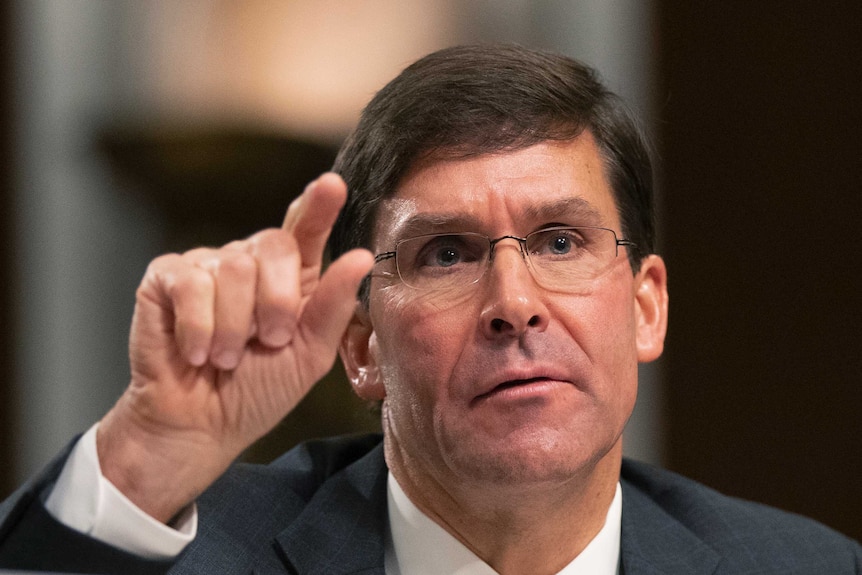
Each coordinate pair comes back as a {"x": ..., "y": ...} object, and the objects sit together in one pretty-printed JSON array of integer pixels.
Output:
[{"x": 224, "y": 343}]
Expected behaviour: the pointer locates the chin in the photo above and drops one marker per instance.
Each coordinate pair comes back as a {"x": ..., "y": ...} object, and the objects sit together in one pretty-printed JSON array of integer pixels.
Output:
[{"x": 523, "y": 459}]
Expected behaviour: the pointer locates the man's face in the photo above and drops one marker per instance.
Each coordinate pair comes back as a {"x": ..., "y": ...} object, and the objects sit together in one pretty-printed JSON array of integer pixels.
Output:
[{"x": 506, "y": 381}]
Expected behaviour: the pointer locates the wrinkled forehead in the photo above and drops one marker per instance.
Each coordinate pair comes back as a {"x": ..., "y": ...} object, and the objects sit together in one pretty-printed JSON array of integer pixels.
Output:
[
  {"x": 505, "y": 193},
  {"x": 409, "y": 217}
]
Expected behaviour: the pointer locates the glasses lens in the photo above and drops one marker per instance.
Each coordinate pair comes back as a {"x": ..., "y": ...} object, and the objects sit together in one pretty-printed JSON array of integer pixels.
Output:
[
  {"x": 442, "y": 261},
  {"x": 565, "y": 257}
]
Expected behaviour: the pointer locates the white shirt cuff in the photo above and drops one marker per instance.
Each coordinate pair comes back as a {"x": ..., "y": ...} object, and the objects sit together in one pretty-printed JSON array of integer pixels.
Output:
[{"x": 86, "y": 501}]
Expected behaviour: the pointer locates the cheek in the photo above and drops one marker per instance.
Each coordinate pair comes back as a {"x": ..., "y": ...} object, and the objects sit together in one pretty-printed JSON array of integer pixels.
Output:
[
  {"x": 619, "y": 349},
  {"x": 616, "y": 336},
  {"x": 419, "y": 343},
  {"x": 603, "y": 326}
]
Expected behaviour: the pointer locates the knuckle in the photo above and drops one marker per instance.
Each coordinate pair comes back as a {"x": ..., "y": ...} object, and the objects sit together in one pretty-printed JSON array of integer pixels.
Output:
[
  {"x": 238, "y": 264},
  {"x": 236, "y": 245},
  {"x": 197, "y": 254},
  {"x": 269, "y": 240},
  {"x": 161, "y": 263},
  {"x": 192, "y": 280},
  {"x": 265, "y": 235}
]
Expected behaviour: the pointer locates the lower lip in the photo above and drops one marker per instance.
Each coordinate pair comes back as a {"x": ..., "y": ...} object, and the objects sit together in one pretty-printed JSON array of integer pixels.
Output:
[{"x": 532, "y": 390}]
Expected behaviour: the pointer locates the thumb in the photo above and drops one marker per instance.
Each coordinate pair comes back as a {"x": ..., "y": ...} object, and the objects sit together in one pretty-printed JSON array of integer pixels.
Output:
[{"x": 330, "y": 307}]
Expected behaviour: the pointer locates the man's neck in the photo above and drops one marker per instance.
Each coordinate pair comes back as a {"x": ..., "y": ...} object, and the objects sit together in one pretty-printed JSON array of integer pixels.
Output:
[{"x": 515, "y": 528}]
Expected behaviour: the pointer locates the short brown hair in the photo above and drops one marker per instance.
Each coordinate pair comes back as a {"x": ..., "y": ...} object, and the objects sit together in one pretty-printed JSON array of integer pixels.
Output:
[{"x": 471, "y": 100}]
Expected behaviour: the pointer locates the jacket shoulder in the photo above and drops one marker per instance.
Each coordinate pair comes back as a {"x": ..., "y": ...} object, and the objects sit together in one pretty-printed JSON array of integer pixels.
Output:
[
  {"x": 745, "y": 534},
  {"x": 300, "y": 471}
]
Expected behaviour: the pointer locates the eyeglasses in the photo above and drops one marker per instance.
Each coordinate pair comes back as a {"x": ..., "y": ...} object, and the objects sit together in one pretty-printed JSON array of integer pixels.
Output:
[{"x": 559, "y": 258}]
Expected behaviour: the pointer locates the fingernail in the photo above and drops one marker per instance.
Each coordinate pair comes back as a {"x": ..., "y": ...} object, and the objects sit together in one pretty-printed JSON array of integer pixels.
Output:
[
  {"x": 226, "y": 360},
  {"x": 197, "y": 357}
]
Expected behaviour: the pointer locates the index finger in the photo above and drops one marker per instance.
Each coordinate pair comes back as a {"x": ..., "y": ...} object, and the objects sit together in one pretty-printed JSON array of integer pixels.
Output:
[{"x": 311, "y": 216}]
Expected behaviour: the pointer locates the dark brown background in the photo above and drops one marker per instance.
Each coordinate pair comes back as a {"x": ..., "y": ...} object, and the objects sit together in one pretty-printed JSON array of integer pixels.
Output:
[{"x": 760, "y": 144}]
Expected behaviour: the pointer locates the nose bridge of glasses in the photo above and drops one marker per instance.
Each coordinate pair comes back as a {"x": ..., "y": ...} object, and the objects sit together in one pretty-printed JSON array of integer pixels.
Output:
[
  {"x": 521, "y": 245},
  {"x": 521, "y": 242}
]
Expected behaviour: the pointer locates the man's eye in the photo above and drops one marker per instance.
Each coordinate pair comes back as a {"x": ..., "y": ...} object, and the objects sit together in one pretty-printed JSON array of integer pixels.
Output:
[
  {"x": 447, "y": 251},
  {"x": 558, "y": 243},
  {"x": 444, "y": 257}
]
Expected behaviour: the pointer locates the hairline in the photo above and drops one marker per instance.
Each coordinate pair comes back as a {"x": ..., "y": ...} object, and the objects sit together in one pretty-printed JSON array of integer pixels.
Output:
[{"x": 430, "y": 157}]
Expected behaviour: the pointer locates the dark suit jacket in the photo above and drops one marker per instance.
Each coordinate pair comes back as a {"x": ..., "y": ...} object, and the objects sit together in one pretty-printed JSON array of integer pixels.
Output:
[{"x": 321, "y": 509}]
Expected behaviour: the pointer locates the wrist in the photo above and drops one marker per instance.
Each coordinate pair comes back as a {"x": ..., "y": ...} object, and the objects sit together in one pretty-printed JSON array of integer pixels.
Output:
[{"x": 158, "y": 471}]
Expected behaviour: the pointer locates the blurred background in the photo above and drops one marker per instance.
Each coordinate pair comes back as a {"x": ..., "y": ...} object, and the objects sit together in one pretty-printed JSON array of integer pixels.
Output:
[{"x": 134, "y": 128}]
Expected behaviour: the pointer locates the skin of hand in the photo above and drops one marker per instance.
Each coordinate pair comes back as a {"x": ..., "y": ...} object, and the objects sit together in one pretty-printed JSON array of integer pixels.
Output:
[{"x": 224, "y": 343}]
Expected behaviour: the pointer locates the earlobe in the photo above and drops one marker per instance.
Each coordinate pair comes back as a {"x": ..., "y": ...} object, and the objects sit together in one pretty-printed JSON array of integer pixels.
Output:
[
  {"x": 651, "y": 301},
  {"x": 358, "y": 357}
]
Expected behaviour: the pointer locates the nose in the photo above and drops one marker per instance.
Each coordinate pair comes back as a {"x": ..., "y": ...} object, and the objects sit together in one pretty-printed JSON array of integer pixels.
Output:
[{"x": 513, "y": 302}]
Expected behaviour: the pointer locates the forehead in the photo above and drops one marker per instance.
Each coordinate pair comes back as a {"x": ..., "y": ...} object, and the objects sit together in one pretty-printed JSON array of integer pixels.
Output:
[{"x": 502, "y": 193}]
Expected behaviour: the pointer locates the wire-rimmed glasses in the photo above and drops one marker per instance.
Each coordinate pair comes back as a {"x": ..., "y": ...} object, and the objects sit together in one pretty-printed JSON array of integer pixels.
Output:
[{"x": 559, "y": 258}]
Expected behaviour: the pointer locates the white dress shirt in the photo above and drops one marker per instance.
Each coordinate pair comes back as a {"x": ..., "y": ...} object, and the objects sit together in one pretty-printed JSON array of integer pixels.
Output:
[
  {"x": 85, "y": 500},
  {"x": 419, "y": 546}
]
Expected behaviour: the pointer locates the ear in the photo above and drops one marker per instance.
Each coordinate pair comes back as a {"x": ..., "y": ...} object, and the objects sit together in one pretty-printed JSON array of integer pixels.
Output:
[
  {"x": 651, "y": 308},
  {"x": 357, "y": 355}
]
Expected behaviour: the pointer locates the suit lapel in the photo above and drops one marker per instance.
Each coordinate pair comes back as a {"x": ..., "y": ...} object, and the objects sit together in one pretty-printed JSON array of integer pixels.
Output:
[
  {"x": 655, "y": 543},
  {"x": 343, "y": 528}
]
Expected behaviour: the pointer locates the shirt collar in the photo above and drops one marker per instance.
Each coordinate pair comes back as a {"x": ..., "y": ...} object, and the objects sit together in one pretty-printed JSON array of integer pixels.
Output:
[{"x": 416, "y": 545}]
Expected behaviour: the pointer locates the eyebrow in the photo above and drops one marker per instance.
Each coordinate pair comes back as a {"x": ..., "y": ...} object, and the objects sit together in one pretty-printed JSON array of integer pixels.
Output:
[
  {"x": 573, "y": 211},
  {"x": 422, "y": 224}
]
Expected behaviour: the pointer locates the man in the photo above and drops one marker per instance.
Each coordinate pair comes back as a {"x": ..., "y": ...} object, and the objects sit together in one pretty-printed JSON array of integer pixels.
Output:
[{"x": 501, "y": 200}]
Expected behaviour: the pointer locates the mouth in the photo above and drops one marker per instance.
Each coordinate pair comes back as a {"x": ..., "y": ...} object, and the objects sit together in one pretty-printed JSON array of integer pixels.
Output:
[
  {"x": 520, "y": 388},
  {"x": 517, "y": 383}
]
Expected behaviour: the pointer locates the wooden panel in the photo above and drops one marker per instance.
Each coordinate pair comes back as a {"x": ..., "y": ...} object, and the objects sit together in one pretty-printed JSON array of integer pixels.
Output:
[{"x": 760, "y": 143}]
